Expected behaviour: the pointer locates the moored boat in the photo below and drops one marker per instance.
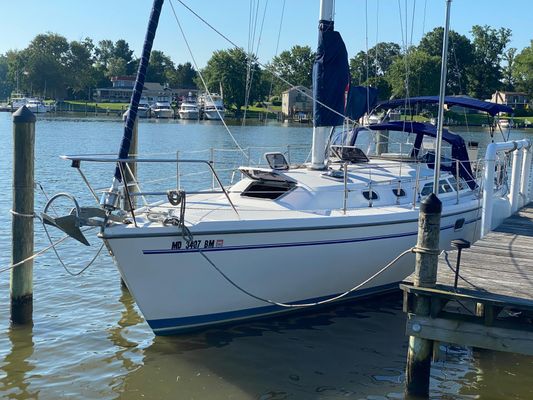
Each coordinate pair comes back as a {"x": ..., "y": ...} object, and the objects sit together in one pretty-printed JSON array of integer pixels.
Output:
[
  {"x": 284, "y": 235},
  {"x": 213, "y": 107},
  {"x": 189, "y": 108},
  {"x": 162, "y": 109},
  {"x": 37, "y": 106}
]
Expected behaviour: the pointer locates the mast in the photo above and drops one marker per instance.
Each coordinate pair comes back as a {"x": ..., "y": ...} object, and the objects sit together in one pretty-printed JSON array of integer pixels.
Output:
[
  {"x": 110, "y": 198},
  {"x": 442, "y": 94},
  {"x": 320, "y": 133}
]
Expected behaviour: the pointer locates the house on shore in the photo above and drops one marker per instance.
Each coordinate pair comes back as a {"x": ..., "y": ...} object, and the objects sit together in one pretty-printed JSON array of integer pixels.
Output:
[
  {"x": 122, "y": 88},
  {"x": 516, "y": 100},
  {"x": 294, "y": 102}
]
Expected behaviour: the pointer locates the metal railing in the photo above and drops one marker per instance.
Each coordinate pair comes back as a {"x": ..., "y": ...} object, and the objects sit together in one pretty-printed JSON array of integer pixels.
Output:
[
  {"x": 415, "y": 183},
  {"x": 76, "y": 160}
]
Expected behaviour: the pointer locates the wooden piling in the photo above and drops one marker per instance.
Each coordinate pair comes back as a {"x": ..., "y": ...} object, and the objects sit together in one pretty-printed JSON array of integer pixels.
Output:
[
  {"x": 427, "y": 250},
  {"x": 21, "y": 282}
]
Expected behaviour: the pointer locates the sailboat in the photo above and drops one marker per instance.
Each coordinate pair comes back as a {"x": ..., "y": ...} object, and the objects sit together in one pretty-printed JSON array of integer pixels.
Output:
[{"x": 284, "y": 236}]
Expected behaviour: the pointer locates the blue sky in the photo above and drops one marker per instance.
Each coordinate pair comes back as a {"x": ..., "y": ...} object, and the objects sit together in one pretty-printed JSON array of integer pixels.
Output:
[{"x": 127, "y": 19}]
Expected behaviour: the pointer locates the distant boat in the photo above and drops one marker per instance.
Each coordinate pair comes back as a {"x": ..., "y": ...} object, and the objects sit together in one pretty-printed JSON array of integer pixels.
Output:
[
  {"x": 214, "y": 107},
  {"x": 17, "y": 100},
  {"x": 162, "y": 109},
  {"x": 37, "y": 106},
  {"x": 189, "y": 108},
  {"x": 505, "y": 123},
  {"x": 144, "y": 110}
]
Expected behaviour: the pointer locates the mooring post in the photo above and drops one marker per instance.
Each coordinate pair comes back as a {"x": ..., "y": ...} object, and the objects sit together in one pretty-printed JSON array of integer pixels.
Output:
[
  {"x": 21, "y": 282},
  {"x": 427, "y": 253}
]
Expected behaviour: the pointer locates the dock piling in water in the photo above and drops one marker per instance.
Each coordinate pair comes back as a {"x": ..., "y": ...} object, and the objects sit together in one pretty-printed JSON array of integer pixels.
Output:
[
  {"x": 427, "y": 251},
  {"x": 21, "y": 282}
]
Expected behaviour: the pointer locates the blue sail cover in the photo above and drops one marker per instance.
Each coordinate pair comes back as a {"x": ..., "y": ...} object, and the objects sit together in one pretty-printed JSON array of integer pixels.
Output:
[
  {"x": 361, "y": 99},
  {"x": 459, "y": 151},
  {"x": 468, "y": 102},
  {"x": 331, "y": 76}
]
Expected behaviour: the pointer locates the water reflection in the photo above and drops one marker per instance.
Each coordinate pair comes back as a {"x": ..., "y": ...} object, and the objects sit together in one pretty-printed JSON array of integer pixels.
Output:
[
  {"x": 346, "y": 350},
  {"x": 17, "y": 365}
]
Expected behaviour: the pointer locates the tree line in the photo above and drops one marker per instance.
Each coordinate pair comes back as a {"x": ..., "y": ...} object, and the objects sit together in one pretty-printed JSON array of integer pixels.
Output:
[{"x": 51, "y": 66}]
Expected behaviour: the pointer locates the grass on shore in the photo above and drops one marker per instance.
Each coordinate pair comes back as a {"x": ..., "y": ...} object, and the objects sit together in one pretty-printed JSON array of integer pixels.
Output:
[{"x": 109, "y": 106}]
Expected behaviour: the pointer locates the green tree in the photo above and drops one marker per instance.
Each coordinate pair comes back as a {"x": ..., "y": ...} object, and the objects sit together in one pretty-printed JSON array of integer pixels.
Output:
[
  {"x": 45, "y": 63},
  {"x": 160, "y": 67},
  {"x": 116, "y": 66},
  {"x": 108, "y": 53},
  {"x": 16, "y": 60},
  {"x": 358, "y": 68},
  {"x": 122, "y": 50},
  {"x": 81, "y": 71},
  {"x": 228, "y": 68},
  {"x": 104, "y": 51},
  {"x": 485, "y": 73},
  {"x": 294, "y": 66},
  {"x": 508, "y": 75},
  {"x": 375, "y": 66},
  {"x": 523, "y": 70},
  {"x": 422, "y": 79},
  {"x": 184, "y": 77},
  {"x": 460, "y": 57},
  {"x": 6, "y": 86}
]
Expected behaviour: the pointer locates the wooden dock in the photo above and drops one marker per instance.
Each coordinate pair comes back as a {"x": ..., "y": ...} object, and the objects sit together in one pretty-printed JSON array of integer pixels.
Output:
[{"x": 492, "y": 306}]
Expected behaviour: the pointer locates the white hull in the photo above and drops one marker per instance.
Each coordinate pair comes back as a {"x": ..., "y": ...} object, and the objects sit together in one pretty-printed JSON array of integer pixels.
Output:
[
  {"x": 143, "y": 112},
  {"x": 163, "y": 113},
  {"x": 213, "y": 115},
  {"x": 38, "y": 109},
  {"x": 189, "y": 114},
  {"x": 176, "y": 289}
]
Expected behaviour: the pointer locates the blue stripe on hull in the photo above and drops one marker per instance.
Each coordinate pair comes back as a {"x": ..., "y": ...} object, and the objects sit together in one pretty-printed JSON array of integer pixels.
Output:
[
  {"x": 169, "y": 326},
  {"x": 295, "y": 244}
]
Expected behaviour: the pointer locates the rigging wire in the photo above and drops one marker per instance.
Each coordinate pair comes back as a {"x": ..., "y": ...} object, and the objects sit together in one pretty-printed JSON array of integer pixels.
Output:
[
  {"x": 277, "y": 45},
  {"x": 367, "y": 61},
  {"x": 377, "y": 37},
  {"x": 266, "y": 67},
  {"x": 203, "y": 80},
  {"x": 251, "y": 59},
  {"x": 423, "y": 33}
]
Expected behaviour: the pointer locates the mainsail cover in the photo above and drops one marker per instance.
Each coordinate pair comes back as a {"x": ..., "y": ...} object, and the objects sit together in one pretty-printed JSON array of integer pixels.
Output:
[
  {"x": 331, "y": 77},
  {"x": 361, "y": 100}
]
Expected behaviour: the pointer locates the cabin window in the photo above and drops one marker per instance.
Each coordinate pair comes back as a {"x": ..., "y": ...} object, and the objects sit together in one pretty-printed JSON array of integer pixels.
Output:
[
  {"x": 459, "y": 224},
  {"x": 444, "y": 187},
  {"x": 453, "y": 183},
  {"x": 267, "y": 189},
  {"x": 370, "y": 195},
  {"x": 349, "y": 153},
  {"x": 398, "y": 192},
  {"x": 427, "y": 189}
]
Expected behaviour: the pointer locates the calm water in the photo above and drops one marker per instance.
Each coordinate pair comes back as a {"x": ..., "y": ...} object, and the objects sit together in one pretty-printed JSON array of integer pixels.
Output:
[{"x": 90, "y": 341}]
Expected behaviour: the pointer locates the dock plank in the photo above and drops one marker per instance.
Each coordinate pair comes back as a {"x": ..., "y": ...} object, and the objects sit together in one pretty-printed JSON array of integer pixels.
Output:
[{"x": 500, "y": 263}]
